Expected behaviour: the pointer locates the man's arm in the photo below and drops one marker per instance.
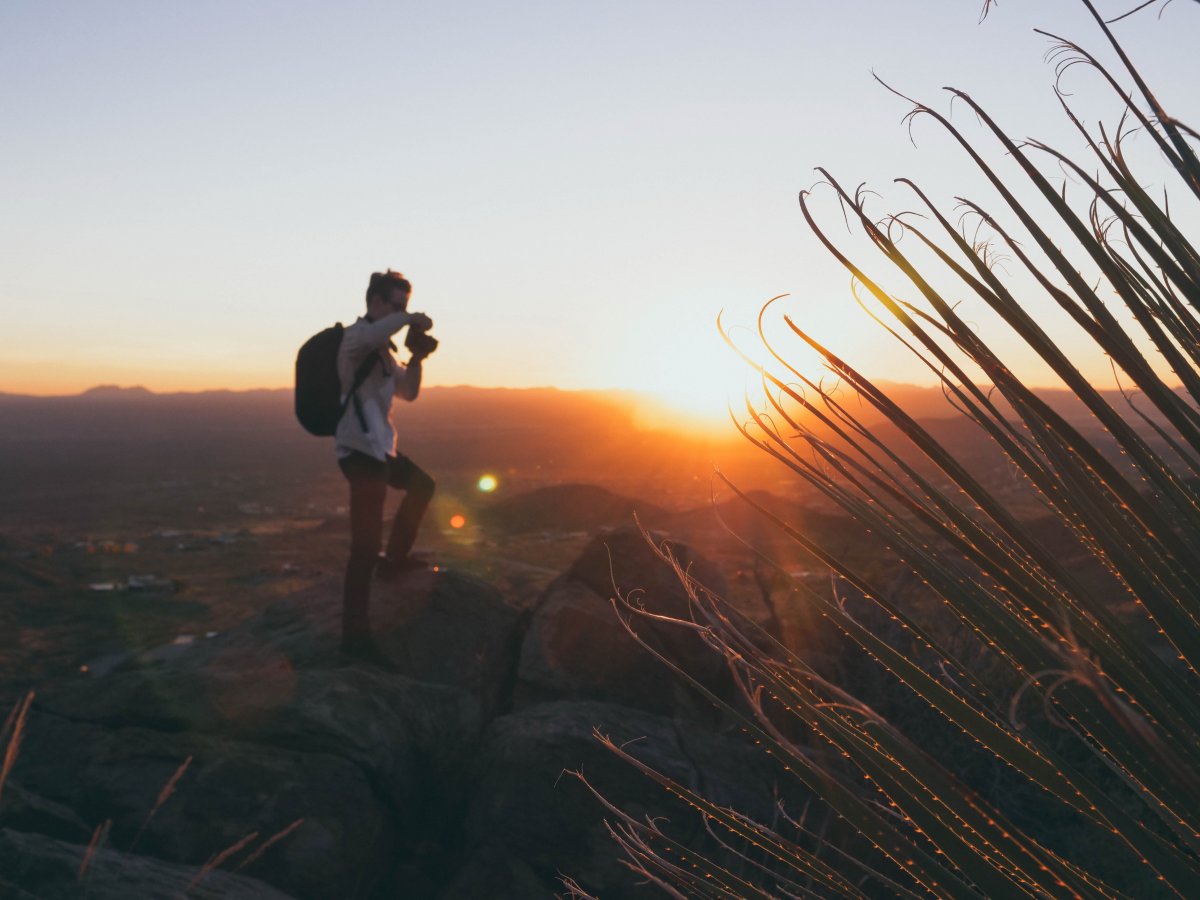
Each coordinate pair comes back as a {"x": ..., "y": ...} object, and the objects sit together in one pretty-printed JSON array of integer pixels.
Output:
[
  {"x": 408, "y": 383},
  {"x": 377, "y": 334}
]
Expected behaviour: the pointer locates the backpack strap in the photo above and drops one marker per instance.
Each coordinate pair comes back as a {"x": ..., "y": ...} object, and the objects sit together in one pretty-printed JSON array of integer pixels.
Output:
[{"x": 360, "y": 375}]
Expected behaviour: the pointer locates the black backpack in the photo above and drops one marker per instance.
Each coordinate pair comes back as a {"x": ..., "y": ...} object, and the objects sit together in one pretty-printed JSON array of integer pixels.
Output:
[{"x": 319, "y": 405}]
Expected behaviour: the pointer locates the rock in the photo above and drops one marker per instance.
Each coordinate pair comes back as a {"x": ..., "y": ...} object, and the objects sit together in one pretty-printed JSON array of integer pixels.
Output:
[
  {"x": 389, "y": 726},
  {"x": 497, "y": 875},
  {"x": 440, "y": 627},
  {"x": 577, "y": 647},
  {"x": 448, "y": 628},
  {"x": 529, "y": 816},
  {"x": 26, "y": 811},
  {"x": 423, "y": 784},
  {"x": 374, "y": 763},
  {"x": 625, "y": 558},
  {"x": 36, "y": 867},
  {"x": 229, "y": 790}
]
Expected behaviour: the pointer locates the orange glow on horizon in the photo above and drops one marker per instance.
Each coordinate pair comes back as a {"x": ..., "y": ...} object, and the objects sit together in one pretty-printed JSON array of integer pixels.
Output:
[
  {"x": 65, "y": 377},
  {"x": 686, "y": 388}
]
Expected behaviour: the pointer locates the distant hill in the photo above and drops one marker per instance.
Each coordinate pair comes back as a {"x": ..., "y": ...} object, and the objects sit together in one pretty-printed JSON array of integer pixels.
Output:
[
  {"x": 104, "y": 447},
  {"x": 116, "y": 392},
  {"x": 518, "y": 406},
  {"x": 110, "y": 410},
  {"x": 109, "y": 442}
]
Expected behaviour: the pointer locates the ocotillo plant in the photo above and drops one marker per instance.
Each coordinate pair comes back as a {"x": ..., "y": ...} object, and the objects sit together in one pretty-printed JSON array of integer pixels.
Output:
[{"x": 1090, "y": 699}]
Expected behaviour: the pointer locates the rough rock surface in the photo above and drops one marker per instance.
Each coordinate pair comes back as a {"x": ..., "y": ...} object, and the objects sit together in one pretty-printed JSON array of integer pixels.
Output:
[
  {"x": 444, "y": 781},
  {"x": 552, "y": 822},
  {"x": 50, "y": 870},
  {"x": 577, "y": 647}
]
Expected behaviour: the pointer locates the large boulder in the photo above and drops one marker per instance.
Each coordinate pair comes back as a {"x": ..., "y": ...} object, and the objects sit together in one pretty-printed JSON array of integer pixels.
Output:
[
  {"x": 530, "y": 818},
  {"x": 578, "y": 648},
  {"x": 36, "y": 867},
  {"x": 440, "y": 626},
  {"x": 444, "y": 627},
  {"x": 626, "y": 560},
  {"x": 404, "y": 735}
]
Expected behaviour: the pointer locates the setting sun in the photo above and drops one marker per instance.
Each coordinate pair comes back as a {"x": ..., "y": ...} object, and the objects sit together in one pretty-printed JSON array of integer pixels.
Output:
[{"x": 691, "y": 384}]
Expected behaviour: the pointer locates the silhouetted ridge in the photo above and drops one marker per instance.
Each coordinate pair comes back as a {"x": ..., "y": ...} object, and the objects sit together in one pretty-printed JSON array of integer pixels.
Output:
[{"x": 115, "y": 391}]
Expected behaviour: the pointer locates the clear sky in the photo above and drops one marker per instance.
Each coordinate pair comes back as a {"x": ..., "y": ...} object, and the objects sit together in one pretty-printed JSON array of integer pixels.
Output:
[{"x": 575, "y": 189}]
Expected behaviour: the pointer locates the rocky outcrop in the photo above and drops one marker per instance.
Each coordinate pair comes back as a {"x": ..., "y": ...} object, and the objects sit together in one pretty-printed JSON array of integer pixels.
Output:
[
  {"x": 578, "y": 648},
  {"x": 443, "y": 781}
]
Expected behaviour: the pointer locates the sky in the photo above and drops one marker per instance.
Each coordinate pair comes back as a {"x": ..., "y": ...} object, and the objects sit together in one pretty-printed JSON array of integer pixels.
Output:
[{"x": 576, "y": 190}]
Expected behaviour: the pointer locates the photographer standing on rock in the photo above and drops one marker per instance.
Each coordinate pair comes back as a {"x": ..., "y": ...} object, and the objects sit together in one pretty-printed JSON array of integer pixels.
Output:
[{"x": 366, "y": 451}]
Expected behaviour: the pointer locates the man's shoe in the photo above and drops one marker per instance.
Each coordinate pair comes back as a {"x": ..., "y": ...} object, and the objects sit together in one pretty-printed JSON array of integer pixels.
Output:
[
  {"x": 389, "y": 569},
  {"x": 365, "y": 652}
]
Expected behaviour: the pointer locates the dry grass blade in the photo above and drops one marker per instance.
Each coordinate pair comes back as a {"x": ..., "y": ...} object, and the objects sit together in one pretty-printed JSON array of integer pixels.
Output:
[
  {"x": 163, "y": 795},
  {"x": 268, "y": 844},
  {"x": 575, "y": 891},
  {"x": 14, "y": 728},
  {"x": 219, "y": 858},
  {"x": 99, "y": 836}
]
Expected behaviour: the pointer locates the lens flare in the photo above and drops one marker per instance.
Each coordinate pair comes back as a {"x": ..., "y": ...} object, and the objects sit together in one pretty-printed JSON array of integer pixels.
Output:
[
  {"x": 458, "y": 520},
  {"x": 487, "y": 483}
]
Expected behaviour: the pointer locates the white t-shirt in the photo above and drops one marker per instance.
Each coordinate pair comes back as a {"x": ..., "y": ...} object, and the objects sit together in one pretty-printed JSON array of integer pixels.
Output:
[{"x": 386, "y": 380}]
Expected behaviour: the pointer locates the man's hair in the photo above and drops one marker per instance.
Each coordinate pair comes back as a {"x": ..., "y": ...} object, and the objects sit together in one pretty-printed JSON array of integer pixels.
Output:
[{"x": 382, "y": 282}]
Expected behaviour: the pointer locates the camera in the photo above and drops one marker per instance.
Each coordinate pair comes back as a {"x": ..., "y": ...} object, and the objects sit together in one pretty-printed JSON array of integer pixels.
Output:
[{"x": 420, "y": 342}]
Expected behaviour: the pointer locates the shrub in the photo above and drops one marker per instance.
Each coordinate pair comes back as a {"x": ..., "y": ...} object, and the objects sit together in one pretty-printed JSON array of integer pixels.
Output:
[{"x": 1058, "y": 660}]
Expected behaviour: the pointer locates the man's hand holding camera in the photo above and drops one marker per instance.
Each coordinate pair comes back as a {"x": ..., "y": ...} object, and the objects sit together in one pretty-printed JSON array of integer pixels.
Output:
[
  {"x": 419, "y": 322},
  {"x": 418, "y": 340}
]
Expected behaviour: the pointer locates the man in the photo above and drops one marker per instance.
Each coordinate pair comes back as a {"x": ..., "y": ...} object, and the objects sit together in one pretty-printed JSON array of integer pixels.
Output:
[{"x": 366, "y": 453}]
